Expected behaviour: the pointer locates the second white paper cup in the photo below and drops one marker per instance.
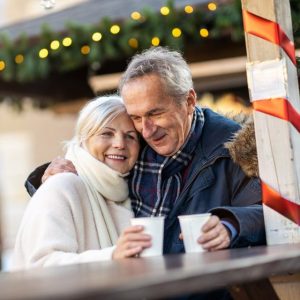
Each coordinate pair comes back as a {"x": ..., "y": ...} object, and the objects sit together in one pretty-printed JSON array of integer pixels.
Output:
[
  {"x": 191, "y": 228},
  {"x": 153, "y": 226}
]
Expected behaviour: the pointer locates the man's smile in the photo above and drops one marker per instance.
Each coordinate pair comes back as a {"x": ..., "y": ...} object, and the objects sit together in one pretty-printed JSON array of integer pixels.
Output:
[{"x": 158, "y": 139}]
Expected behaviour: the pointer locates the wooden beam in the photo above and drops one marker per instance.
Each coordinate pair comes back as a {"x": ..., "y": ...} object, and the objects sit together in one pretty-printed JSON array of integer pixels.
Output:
[
  {"x": 287, "y": 286},
  {"x": 272, "y": 75},
  {"x": 257, "y": 290},
  {"x": 201, "y": 70},
  {"x": 213, "y": 75},
  {"x": 57, "y": 88},
  {"x": 101, "y": 83}
]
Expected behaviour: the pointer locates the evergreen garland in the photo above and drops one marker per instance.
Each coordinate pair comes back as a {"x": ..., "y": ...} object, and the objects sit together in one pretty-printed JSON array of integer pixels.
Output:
[{"x": 23, "y": 64}]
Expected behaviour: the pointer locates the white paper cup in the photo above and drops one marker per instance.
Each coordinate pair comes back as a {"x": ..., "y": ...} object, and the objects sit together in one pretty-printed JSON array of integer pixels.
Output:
[
  {"x": 191, "y": 228},
  {"x": 154, "y": 226}
]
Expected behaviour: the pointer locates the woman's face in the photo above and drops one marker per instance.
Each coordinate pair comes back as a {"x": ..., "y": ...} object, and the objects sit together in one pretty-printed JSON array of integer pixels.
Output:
[{"x": 116, "y": 144}]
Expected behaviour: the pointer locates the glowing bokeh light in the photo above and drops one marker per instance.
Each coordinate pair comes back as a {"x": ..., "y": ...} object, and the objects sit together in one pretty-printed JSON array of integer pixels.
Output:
[
  {"x": 43, "y": 53},
  {"x": 176, "y": 32}
]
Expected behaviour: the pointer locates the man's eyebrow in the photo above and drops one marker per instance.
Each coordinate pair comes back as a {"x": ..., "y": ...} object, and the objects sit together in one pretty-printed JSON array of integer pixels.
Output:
[
  {"x": 152, "y": 111},
  {"x": 155, "y": 110}
]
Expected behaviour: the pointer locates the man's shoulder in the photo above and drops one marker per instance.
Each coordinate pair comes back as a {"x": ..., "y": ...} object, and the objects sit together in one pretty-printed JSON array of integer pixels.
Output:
[
  {"x": 217, "y": 130},
  {"x": 219, "y": 122}
]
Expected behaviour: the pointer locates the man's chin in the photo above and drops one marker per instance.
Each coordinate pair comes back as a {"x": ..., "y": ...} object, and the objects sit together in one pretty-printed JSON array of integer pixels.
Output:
[{"x": 163, "y": 150}]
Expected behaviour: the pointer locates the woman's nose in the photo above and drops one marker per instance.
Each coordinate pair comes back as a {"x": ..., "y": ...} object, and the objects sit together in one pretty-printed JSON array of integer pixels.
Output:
[{"x": 119, "y": 142}]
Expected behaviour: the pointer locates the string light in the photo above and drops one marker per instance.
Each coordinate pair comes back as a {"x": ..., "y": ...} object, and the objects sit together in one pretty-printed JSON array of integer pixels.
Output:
[
  {"x": 188, "y": 9},
  {"x": 55, "y": 45},
  {"x": 85, "y": 50},
  {"x": 133, "y": 43},
  {"x": 155, "y": 41},
  {"x": 48, "y": 4},
  {"x": 43, "y": 53},
  {"x": 212, "y": 6},
  {"x": 176, "y": 32},
  {"x": 19, "y": 59},
  {"x": 97, "y": 36},
  {"x": 67, "y": 42},
  {"x": 115, "y": 29},
  {"x": 136, "y": 15},
  {"x": 204, "y": 32},
  {"x": 2, "y": 65},
  {"x": 164, "y": 10}
]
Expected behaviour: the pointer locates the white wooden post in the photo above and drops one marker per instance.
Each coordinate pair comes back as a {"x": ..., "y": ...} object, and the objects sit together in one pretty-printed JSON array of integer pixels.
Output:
[{"x": 274, "y": 92}]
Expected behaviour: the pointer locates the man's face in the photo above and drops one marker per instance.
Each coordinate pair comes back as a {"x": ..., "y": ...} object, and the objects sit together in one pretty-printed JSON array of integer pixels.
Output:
[{"x": 163, "y": 123}]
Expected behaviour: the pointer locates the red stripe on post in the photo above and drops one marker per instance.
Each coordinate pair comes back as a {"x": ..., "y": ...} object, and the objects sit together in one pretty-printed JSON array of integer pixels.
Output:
[
  {"x": 286, "y": 208},
  {"x": 269, "y": 31},
  {"x": 279, "y": 108}
]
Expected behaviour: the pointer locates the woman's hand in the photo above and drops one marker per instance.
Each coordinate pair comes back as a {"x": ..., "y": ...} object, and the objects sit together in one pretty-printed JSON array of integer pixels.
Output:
[
  {"x": 58, "y": 165},
  {"x": 131, "y": 242}
]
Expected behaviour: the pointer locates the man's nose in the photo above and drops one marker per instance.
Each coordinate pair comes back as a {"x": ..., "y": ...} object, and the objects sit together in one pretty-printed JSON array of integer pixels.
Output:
[{"x": 148, "y": 128}]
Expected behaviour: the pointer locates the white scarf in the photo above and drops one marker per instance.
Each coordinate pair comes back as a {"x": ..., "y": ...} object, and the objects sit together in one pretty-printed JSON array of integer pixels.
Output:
[{"x": 101, "y": 183}]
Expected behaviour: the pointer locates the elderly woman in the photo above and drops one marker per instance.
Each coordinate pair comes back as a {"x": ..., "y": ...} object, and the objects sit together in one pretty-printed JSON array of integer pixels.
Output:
[{"x": 73, "y": 219}]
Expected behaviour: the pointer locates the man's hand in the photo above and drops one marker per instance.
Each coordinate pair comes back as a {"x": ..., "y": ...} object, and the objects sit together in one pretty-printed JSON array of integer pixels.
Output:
[
  {"x": 58, "y": 165},
  {"x": 131, "y": 242},
  {"x": 214, "y": 235}
]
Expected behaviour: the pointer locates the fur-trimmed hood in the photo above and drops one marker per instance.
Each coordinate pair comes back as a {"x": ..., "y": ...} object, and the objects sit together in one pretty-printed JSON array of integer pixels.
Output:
[{"x": 242, "y": 146}]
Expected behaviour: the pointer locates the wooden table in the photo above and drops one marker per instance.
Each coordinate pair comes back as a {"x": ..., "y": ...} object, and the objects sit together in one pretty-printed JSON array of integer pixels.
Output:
[{"x": 245, "y": 271}]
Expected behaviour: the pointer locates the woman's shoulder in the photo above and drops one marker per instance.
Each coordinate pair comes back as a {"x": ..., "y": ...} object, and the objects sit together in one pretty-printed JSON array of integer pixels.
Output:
[
  {"x": 63, "y": 182},
  {"x": 66, "y": 177},
  {"x": 59, "y": 191}
]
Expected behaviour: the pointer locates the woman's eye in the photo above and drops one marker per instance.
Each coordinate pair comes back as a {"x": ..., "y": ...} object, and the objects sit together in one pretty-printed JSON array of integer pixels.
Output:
[
  {"x": 131, "y": 137},
  {"x": 106, "y": 133}
]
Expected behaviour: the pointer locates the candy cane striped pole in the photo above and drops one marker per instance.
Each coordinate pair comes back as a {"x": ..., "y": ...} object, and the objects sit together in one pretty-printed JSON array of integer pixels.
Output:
[{"x": 274, "y": 93}]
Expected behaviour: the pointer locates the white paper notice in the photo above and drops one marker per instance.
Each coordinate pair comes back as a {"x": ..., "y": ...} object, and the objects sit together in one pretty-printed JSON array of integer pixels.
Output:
[{"x": 267, "y": 79}]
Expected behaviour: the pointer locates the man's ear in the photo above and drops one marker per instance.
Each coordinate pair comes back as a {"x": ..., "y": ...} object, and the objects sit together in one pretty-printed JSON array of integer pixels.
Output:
[{"x": 191, "y": 101}]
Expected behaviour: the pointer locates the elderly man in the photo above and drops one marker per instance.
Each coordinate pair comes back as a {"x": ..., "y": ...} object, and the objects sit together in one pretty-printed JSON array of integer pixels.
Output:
[{"x": 183, "y": 167}]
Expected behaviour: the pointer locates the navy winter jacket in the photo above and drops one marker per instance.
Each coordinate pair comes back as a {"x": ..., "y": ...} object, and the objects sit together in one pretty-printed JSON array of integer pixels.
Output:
[{"x": 216, "y": 184}]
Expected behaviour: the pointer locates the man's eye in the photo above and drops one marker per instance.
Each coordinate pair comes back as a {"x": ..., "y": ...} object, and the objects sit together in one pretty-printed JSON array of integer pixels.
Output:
[{"x": 158, "y": 114}]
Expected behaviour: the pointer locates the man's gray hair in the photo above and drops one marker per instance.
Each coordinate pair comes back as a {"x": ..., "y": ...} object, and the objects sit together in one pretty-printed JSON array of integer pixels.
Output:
[{"x": 169, "y": 65}]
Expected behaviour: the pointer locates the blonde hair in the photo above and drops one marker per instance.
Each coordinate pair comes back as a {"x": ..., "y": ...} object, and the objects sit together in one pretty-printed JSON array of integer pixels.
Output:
[{"x": 95, "y": 115}]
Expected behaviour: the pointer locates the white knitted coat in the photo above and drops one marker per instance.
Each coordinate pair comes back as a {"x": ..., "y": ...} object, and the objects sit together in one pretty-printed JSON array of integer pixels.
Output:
[{"x": 58, "y": 226}]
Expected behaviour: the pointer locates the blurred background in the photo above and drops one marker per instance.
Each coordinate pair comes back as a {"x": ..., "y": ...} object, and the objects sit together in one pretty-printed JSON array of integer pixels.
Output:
[{"x": 56, "y": 55}]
